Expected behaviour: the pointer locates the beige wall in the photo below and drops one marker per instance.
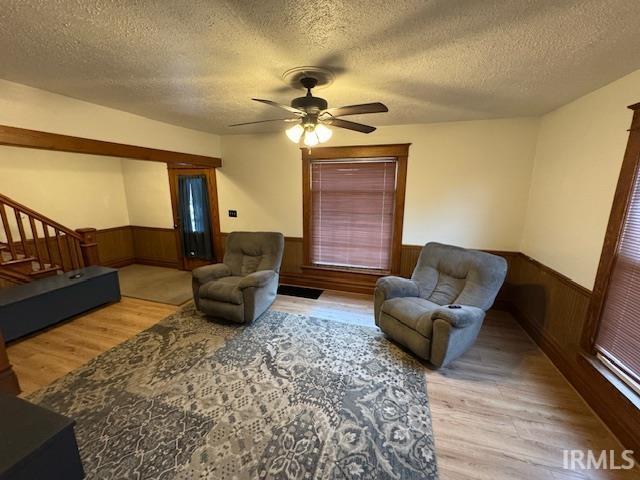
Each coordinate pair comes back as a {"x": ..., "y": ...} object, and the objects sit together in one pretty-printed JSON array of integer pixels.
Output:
[
  {"x": 82, "y": 184},
  {"x": 75, "y": 190},
  {"x": 467, "y": 181},
  {"x": 148, "y": 196},
  {"x": 577, "y": 163}
]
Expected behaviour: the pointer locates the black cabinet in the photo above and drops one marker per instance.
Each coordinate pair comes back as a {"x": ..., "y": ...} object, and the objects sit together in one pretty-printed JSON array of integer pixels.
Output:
[{"x": 36, "y": 443}]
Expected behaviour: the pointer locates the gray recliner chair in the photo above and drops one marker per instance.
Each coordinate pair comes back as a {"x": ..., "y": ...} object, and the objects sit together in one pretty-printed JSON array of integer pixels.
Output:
[
  {"x": 438, "y": 313},
  {"x": 245, "y": 285}
]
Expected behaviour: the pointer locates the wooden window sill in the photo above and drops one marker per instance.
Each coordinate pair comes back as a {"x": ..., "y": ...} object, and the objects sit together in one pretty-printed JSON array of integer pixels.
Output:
[
  {"x": 344, "y": 270},
  {"x": 626, "y": 391}
]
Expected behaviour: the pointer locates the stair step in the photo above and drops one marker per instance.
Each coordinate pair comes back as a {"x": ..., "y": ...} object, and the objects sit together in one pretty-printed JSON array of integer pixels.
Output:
[
  {"x": 18, "y": 261},
  {"x": 13, "y": 275},
  {"x": 45, "y": 272}
]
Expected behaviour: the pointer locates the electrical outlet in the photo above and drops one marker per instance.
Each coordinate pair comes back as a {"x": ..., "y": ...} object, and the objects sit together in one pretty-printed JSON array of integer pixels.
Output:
[{"x": 233, "y": 213}]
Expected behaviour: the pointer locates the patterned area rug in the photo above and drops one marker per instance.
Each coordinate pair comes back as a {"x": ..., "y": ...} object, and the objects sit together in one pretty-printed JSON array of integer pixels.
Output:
[{"x": 288, "y": 397}]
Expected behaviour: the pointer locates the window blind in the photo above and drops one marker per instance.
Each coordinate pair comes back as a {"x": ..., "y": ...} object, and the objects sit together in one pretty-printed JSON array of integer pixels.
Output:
[
  {"x": 618, "y": 337},
  {"x": 352, "y": 205}
]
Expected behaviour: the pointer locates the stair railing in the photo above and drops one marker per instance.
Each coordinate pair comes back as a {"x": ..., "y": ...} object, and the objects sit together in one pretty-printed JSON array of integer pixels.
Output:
[{"x": 50, "y": 245}]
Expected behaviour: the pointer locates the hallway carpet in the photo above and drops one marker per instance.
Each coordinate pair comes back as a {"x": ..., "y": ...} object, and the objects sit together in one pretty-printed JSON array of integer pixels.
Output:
[{"x": 158, "y": 284}]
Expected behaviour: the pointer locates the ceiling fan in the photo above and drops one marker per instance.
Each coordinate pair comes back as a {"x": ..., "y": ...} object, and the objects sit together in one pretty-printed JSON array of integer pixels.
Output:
[{"x": 312, "y": 116}]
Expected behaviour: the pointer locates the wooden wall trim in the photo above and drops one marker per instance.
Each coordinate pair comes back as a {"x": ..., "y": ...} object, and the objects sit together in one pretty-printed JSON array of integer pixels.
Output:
[
  {"x": 22, "y": 137},
  {"x": 150, "y": 229},
  {"x": 559, "y": 276}
]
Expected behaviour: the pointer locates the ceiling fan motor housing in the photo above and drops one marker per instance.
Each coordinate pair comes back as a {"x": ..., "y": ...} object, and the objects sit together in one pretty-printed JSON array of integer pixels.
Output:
[{"x": 309, "y": 104}]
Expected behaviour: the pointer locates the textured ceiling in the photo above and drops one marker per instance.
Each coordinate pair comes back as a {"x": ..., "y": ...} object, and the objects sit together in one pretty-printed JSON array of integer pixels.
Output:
[{"x": 197, "y": 63}]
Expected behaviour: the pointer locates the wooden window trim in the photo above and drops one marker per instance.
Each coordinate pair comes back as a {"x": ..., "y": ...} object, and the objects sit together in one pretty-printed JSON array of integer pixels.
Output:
[
  {"x": 399, "y": 151},
  {"x": 628, "y": 171}
]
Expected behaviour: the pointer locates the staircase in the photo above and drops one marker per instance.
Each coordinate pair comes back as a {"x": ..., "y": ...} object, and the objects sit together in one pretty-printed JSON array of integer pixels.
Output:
[{"x": 33, "y": 246}]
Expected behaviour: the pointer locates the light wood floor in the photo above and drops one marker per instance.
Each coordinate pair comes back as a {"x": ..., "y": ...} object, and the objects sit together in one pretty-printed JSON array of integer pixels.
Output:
[{"x": 502, "y": 411}]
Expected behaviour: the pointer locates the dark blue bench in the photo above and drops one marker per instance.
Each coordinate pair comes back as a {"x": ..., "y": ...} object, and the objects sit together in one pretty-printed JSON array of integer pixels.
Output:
[{"x": 27, "y": 308}]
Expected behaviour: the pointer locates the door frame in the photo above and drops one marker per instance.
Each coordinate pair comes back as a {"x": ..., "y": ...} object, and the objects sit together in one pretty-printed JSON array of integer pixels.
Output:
[{"x": 212, "y": 187}]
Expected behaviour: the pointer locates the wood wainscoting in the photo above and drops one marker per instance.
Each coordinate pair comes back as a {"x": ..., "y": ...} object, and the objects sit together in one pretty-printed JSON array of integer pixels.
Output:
[
  {"x": 155, "y": 246},
  {"x": 120, "y": 246},
  {"x": 553, "y": 310},
  {"x": 115, "y": 246}
]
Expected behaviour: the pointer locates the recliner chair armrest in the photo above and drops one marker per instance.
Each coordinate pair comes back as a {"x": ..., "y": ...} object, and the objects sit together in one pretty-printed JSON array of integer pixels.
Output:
[
  {"x": 211, "y": 272},
  {"x": 393, "y": 287},
  {"x": 256, "y": 279},
  {"x": 459, "y": 317}
]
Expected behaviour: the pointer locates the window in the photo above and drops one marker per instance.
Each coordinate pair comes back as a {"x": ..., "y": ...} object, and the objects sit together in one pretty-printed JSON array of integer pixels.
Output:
[
  {"x": 615, "y": 309},
  {"x": 354, "y": 206},
  {"x": 618, "y": 339}
]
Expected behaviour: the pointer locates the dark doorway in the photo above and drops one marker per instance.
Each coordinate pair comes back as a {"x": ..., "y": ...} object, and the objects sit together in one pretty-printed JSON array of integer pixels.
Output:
[{"x": 195, "y": 214}]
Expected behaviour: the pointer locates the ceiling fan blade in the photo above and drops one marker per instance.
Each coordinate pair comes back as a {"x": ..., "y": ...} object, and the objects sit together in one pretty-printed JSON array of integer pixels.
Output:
[
  {"x": 376, "y": 107},
  {"x": 265, "y": 121},
  {"x": 358, "y": 127},
  {"x": 279, "y": 105}
]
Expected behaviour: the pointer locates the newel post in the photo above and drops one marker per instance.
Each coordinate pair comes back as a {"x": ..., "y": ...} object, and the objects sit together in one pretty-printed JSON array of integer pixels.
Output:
[{"x": 89, "y": 246}]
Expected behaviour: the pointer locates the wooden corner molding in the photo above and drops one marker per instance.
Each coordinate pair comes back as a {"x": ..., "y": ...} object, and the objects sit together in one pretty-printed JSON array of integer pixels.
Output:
[
  {"x": 25, "y": 138},
  {"x": 635, "y": 122}
]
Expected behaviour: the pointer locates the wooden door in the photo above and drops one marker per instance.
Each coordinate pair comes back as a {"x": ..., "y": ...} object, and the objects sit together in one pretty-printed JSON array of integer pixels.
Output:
[{"x": 190, "y": 260}]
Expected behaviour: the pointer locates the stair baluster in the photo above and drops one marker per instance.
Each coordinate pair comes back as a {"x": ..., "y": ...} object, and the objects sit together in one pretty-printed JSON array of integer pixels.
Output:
[
  {"x": 23, "y": 237},
  {"x": 36, "y": 244},
  {"x": 60, "y": 250},
  {"x": 7, "y": 233},
  {"x": 47, "y": 241}
]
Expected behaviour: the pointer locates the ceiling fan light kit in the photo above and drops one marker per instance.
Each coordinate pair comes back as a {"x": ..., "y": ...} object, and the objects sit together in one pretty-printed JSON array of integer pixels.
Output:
[{"x": 312, "y": 115}]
